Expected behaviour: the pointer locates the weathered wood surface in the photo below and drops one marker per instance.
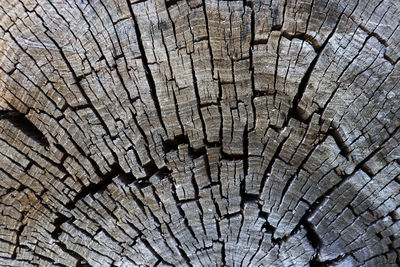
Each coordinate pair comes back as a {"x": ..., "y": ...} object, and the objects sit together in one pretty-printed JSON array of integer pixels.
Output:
[{"x": 199, "y": 133}]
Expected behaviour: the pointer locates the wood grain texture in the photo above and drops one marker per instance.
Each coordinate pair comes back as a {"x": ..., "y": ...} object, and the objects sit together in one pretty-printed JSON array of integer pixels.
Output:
[{"x": 199, "y": 133}]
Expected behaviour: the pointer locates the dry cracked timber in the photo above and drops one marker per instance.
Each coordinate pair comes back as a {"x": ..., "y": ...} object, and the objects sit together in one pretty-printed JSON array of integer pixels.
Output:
[{"x": 199, "y": 133}]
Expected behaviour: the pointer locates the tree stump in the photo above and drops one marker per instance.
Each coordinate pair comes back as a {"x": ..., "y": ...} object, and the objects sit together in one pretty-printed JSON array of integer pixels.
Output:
[{"x": 199, "y": 133}]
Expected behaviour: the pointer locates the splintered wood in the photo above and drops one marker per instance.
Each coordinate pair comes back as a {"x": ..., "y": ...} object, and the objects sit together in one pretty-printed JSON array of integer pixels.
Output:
[{"x": 199, "y": 133}]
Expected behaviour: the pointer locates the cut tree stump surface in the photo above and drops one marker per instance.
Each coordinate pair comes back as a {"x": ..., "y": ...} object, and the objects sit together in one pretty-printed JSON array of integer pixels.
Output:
[{"x": 199, "y": 133}]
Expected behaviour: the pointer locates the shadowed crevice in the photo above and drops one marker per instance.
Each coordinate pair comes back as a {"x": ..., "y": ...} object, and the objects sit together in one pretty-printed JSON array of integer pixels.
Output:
[
  {"x": 22, "y": 123},
  {"x": 107, "y": 179}
]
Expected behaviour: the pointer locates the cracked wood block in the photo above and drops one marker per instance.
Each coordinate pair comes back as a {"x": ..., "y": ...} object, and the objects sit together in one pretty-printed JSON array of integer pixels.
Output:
[{"x": 199, "y": 133}]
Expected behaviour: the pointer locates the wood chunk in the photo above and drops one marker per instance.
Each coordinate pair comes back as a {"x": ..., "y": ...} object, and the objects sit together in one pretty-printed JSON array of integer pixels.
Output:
[{"x": 199, "y": 133}]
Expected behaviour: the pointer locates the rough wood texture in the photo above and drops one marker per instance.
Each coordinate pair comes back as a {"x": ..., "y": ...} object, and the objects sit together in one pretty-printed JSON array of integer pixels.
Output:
[{"x": 199, "y": 133}]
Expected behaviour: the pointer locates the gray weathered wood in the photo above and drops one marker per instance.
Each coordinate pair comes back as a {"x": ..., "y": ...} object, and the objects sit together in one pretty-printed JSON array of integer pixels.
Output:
[{"x": 199, "y": 133}]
